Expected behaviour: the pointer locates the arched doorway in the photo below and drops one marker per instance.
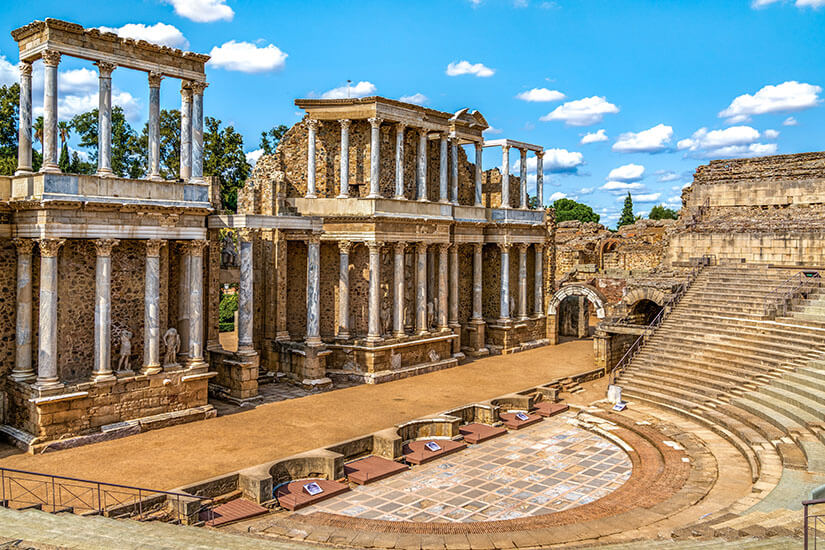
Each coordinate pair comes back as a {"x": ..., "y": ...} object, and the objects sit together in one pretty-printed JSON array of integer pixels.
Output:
[
  {"x": 642, "y": 305},
  {"x": 643, "y": 312},
  {"x": 588, "y": 300}
]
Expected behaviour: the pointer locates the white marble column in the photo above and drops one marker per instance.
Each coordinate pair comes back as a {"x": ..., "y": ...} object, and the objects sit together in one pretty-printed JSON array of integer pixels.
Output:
[
  {"x": 344, "y": 160},
  {"x": 453, "y": 295},
  {"x": 479, "y": 172},
  {"x": 197, "y": 131},
  {"x": 196, "y": 303},
  {"x": 523, "y": 179},
  {"x": 442, "y": 169},
  {"x": 538, "y": 291},
  {"x": 398, "y": 289},
  {"x": 505, "y": 176},
  {"x": 51, "y": 59},
  {"x": 504, "y": 302},
  {"x": 540, "y": 178},
  {"x": 151, "y": 308},
  {"x": 184, "y": 299},
  {"x": 24, "y": 129},
  {"x": 104, "y": 118},
  {"x": 421, "y": 288},
  {"x": 185, "y": 130},
  {"x": 103, "y": 311},
  {"x": 522, "y": 280},
  {"x": 477, "y": 284},
  {"x": 422, "y": 164},
  {"x": 344, "y": 248},
  {"x": 47, "y": 349},
  {"x": 154, "y": 125},
  {"x": 246, "y": 298},
  {"x": 375, "y": 158},
  {"x": 443, "y": 271},
  {"x": 313, "y": 336},
  {"x": 23, "y": 371},
  {"x": 399, "y": 160},
  {"x": 454, "y": 170},
  {"x": 312, "y": 130},
  {"x": 374, "y": 303}
]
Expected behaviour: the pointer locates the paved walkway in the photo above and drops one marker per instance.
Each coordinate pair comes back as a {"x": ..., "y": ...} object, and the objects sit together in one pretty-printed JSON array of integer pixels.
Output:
[{"x": 175, "y": 456}]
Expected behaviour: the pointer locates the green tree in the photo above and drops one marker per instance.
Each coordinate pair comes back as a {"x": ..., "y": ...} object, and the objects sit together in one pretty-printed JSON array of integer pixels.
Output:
[
  {"x": 568, "y": 209},
  {"x": 223, "y": 157},
  {"x": 627, "y": 217},
  {"x": 9, "y": 105},
  {"x": 659, "y": 212},
  {"x": 127, "y": 159},
  {"x": 271, "y": 138},
  {"x": 64, "y": 160},
  {"x": 169, "y": 143}
]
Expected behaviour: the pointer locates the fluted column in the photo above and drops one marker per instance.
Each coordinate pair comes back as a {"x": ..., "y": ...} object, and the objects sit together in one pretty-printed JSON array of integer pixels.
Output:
[
  {"x": 477, "y": 284},
  {"x": 374, "y": 311},
  {"x": 313, "y": 336},
  {"x": 479, "y": 172},
  {"x": 344, "y": 161},
  {"x": 454, "y": 170},
  {"x": 505, "y": 176},
  {"x": 312, "y": 130},
  {"x": 421, "y": 288},
  {"x": 246, "y": 297},
  {"x": 154, "y": 125},
  {"x": 399, "y": 160},
  {"x": 540, "y": 178},
  {"x": 453, "y": 295},
  {"x": 422, "y": 164},
  {"x": 344, "y": 248},
  {"x": 104, "y": 118},
  {"x": 151, "y": 308},
  {"x": 103, "y": 310},
  {"x": 442, "y": 169},
  {"x": 23, "y": 370},
  {"x": 197, "y": 131},
  {"x": 523, "y": 179},
  {"x": 375, "y": 158},
  {"x": 538, "y": 290},
  {"x": 522, "y": 280},
  {"x": 24, "y": 129},
  {"x": 185, "y": 130},
  {"x": 47, "y": 349},
  {"x": 442, "y": 287},
  {"x": 504, "y": 302},
  {"x": 398, "y": 289},
  {"x": 196, "y": 303},
  {"x": 51, "y": 59}
]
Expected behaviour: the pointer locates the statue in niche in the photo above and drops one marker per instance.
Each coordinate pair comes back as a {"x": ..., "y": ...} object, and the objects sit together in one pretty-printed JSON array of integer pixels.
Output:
[
  {"x": 229, "y": 254},
  {"x": 512, "y": 306},
  {"x": 172, "y": 342},
  {"x": 430, "y": 315},
  {"x": 434, "y": 356},
  {"x": 395, "y": 361},
  {"x": 125, "y": 350},
  {"x": 386, "y": 316}
]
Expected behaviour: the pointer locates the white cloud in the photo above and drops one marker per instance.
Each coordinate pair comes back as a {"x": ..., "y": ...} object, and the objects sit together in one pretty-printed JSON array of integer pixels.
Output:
[
  {"x": 492, "y": 131},
  {"x": 557, "y": 195},
  {"x": 247, "y": 57},
  {"x": 559, "y": 160},
  {"x": 362, "y": 89},
  {"x": 594, "y": 137},
  {"x": 203, "y": 11},
  {"x": 756, "y": 4},
  {"x": 627, "y": 172},
  {"x": 785, "y": 97},
  {"x": 674, "y": 201},
  {"x": 736, "y": 141},
  {"x": 582, "y": 112},
  {"x": 159, "y": 33},
  {"x": 253, "y": 156},
  {"x": 77, "y": 81},
  {"x": 666, "y": 176},
  {"x": 790, "y": 121},
  {"x": 649, "y": 197},
  {"x": 771, "y": 134},
  {"x": 465, "y": 67},
  {"x": 8, "y": 72},
  {"x": 621, "y": 186},
  {"x": 540, "y": 95},
  {"x": 418, "y": 99},
  {"x": 653, "y": 140},
  {"x": 586, "y": 190}
]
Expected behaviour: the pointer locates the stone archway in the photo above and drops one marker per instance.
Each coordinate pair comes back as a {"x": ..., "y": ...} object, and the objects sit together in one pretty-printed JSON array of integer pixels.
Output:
[
  {"x": 641, "y": 305},
  {"x": 592, "y": 295},
  {"x": 643, "y": 293}
]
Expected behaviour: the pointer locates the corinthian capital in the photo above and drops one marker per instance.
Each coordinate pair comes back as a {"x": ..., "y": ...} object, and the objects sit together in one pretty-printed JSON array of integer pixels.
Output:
[
  {"x": 199, "y": 87},
  {"x": 153, "y": 247},
  {"x": 154, "y": 79},
  {"x": 105, "y": 68},
  {"x": 51, "y": 58},
  {"x": 50, "y": 247},
  {"x": 104, "y": 246},
  {"x": 375, "y": 121},
  {"x": 25, "y": 68},
  {"x": 23, "y": 246}
]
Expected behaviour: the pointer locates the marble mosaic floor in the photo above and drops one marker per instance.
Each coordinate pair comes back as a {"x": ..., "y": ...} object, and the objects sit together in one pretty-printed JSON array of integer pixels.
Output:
[{"x": 542, "y": 469}]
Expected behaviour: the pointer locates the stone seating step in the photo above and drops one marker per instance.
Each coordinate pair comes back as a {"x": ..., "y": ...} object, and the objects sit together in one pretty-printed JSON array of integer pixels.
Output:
[
  {"x": 416, "y": 452},
  {"x": 736, "y": 338},
  {"x": 293, "y": 496},
  {"x": 673, "y": 357},
  {"x": 688, "y": 372},
  {"x": 547, "y": 409},
  {"x": 689, "y": 383},
  {"x": 707, "y": 320},
  {"x": 769, "y": 409},
  {"x": 724, "y": 348},
  {"x": 475, "y": 433},
  {"x": 372, "y": 468},
  {"x": 812, "y": 398},
  {"x": 811, "y": 385},
  {"x": 752, "y": 543},
  {"x": 812, "y": 370},
  {"x": 512, "y": 422},
  {"x": 801, "y": 409}
]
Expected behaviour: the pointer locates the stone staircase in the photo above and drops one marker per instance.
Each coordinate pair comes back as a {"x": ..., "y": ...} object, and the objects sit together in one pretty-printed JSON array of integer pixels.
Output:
[{"x": 757, "y": 382}]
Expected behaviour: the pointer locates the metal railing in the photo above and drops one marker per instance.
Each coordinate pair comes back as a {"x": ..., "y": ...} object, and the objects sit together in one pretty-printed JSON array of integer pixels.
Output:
[
  {"x": 813, "y": 524},
  {"x": 800, "y": 284},
  {"x": 660, "y": 317},
  {"x": 20, "y": 489}
]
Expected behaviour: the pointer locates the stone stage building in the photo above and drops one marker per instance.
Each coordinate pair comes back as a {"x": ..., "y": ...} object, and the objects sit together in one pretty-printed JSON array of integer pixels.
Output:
[{"x": 372, "y": 249}]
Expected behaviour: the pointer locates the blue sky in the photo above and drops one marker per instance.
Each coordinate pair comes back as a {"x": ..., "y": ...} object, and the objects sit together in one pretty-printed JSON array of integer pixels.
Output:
[{"x": 658, "y": 87}]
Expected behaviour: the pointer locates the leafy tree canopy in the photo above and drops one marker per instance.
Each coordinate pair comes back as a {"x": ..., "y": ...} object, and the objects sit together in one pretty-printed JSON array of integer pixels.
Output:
[
  {"x": 127, "y": 158},
  {"x": 568, "y": 209},
  {"x": 271, "y": 138},
  {"x": 659, "y": 212},
  {"x": 223, "y": 157},
  {"x": 627, "y": 217}
]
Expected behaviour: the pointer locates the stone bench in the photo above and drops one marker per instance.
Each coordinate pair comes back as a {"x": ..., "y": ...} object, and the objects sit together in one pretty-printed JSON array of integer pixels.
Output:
[
  {"x": 513, "y": 423},
  {"x": 476, "y": 433},
  {"x": 417, "y": 453},
  {"x": 372, "y": 468},
  {"x": 293, "y": 497}
]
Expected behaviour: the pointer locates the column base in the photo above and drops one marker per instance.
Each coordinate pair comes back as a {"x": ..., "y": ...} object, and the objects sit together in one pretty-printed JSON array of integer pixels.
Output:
[
  {"x": 155, "y": 177},
  {"x": 282, "y": 336},
  {"x": 373, "y": 196},
  {"x": 23, "y": 376},
  {"x": 196, "y": 180},
  {"x": 400, "y": 334},
  {"x": 400, "y": 197},
  {"x": 373, "y": 339},
  {"x": 424, "y": 200},
  {"x": 104, "y": 379},
  {"x": 47, "y": 384},
  {"x": 151, "y": 369},
  {"x": 343, "y": 336},
  {"x": 105, "y": 173},
  {"x": 51, "y": 169},
  {"x": 310, "y": 196},
  {"x": 342, "y": 196},
  {"x": 23, "y": 171},
  {"x": 314, "y": 341}
]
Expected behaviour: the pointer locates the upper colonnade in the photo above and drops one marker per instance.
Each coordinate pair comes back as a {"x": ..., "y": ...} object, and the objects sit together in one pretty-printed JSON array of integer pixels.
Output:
[{"x": 51, "y": 39}]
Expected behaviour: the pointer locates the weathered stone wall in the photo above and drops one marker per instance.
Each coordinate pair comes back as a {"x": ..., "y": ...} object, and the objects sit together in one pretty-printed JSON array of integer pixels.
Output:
[
  {"x": 296, "y": 318},
  {"x": 8, "y": 305}
]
